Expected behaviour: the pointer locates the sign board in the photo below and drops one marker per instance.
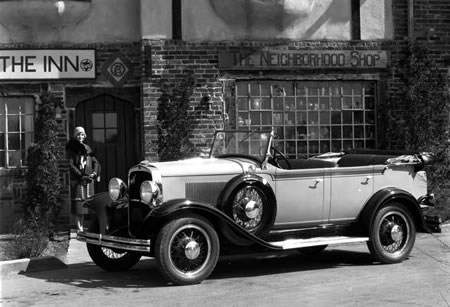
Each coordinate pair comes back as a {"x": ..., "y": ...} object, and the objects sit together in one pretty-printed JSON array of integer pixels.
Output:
[
  {"x": 304, "y": 59},
  {"x": 47, "y": 64}
]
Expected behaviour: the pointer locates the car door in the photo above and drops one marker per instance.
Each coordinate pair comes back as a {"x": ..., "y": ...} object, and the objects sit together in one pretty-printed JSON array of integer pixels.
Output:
[
  {"x": 350, "y": 189},
  {"x": 300, "y": 197}
]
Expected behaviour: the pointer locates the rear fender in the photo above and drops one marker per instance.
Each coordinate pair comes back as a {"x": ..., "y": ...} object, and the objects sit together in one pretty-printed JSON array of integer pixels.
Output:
[{"x": 384, "y": 196}]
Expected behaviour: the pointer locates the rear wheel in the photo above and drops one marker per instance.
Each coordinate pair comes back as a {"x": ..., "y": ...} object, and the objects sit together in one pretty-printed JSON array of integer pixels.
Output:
[
  {"x": 392, "y": 234},
  {"x": 111, "y": 259},
  {"x": 187, "y": 250}
]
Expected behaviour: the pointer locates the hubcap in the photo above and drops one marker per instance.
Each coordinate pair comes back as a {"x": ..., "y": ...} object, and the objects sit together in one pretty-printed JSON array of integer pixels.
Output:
[
  {"x": 251, "y": 209},
  {"x": 396, "y": 233},
  {"x": 192, "y": 250}
]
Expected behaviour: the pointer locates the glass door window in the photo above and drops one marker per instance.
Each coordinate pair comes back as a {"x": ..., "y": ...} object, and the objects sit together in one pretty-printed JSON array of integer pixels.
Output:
[
  {"x": 310, "y": 118},
  {"x": 104, "y": 128}
]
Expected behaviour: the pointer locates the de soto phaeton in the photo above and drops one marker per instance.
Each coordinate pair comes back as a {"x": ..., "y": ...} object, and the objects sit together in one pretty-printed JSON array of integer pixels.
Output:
[{"x": 247, "y": 195}]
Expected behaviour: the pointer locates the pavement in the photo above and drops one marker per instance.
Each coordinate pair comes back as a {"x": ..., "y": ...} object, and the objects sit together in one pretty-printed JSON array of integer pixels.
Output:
[{"x": 76, "y": 254}]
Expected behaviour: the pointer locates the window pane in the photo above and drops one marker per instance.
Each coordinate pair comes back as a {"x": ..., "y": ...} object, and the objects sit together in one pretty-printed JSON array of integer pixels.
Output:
[
  {"x": 254, "y": 90},
  {"x": 15, "y": 158},
  {"x": 98, "y": 120},
  {"x": 27, "y": 123},
  {"x": 2, "y": 141},
  {"x": 13, "y": 141},
  {"x": 2, "y": 159},
  {"x": 2, "y": 123},
  {"x": 111, "y": 135},
  {"x": 242, "y": 103},
  {"x": 98, "y": 136},
  {"x": 242, "y": 89},
  {"x": 111, "y": 120},
  {"x": 13, "y": 123},
  {"x": 265, "y": 89}
]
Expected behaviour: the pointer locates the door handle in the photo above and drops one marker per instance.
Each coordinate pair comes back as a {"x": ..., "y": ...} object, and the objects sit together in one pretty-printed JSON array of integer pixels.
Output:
[
  {"x": 316, "y": 182},
  {"x": 366, "y": 181}
]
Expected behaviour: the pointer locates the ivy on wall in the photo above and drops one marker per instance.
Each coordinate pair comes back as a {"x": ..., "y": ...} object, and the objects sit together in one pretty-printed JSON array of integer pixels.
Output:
[
  {"x": 418, "y": 119},
  {"x": 174, "y": 121},
  {"x": 42, "y": 203}
]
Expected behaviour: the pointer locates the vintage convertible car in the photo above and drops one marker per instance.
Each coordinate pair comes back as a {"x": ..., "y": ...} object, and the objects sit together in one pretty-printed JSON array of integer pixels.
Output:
[{"x": 247, "y": 195}]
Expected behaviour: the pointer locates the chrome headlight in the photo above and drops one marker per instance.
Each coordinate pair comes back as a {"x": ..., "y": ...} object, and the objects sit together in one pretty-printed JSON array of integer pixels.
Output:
[
  {"x": 150, "y": 193},
  {"x": 117, "y": 189}
]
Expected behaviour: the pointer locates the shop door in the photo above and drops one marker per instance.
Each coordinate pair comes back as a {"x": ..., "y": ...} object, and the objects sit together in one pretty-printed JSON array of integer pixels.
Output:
[{"x": 110, "y": 128}]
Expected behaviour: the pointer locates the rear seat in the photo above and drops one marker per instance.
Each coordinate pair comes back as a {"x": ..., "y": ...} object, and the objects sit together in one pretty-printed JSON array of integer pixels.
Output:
[
  {"x": 348, "y": 160},
  {"x": 362, "y": 160},
  {"x": 307, "y": 163}
]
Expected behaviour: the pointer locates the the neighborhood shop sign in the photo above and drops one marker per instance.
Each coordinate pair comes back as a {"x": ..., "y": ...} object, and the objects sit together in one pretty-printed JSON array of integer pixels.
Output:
[
  {"x": 294, "y": 59},
  {"x": 47, "y": 64}
]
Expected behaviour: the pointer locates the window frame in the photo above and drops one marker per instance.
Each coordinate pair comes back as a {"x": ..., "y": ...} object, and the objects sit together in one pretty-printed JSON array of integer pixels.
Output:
[{"x": 22, "y": 133}]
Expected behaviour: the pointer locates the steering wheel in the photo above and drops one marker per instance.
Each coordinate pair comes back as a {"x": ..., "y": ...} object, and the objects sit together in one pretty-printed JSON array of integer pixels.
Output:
[{"x": 277, "y": 156}]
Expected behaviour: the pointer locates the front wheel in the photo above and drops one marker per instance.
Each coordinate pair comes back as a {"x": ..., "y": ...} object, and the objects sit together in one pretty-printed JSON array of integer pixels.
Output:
[
  {"x": 187, "y": 250},
  {"x": 113, "y": 260},
  {"x": 392, "y": 234}
]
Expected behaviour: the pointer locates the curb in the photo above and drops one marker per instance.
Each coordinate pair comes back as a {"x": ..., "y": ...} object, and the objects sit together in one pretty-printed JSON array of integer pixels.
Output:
[{"x": 28, "y": 265}]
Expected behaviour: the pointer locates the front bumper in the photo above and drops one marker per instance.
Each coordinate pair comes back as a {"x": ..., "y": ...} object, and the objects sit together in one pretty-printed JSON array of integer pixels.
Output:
[{"x": 127, "y": 244}]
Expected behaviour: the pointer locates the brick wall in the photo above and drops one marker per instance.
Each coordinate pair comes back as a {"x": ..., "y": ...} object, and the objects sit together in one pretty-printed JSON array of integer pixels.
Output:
[
  {"x": 173, "y": 60},
  {"x": 12, "y": 181}
]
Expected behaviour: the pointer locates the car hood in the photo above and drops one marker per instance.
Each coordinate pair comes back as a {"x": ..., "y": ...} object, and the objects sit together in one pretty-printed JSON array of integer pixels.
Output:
[{"x": 201, "y": 166}]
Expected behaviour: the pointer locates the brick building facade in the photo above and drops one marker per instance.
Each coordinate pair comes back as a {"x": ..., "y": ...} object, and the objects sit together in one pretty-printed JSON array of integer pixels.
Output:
[{"x": 320, "y": 93}]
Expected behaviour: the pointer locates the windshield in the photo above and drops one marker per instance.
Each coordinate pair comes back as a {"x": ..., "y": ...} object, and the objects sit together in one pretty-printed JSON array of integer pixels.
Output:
[{"x": 253, "y": 144}]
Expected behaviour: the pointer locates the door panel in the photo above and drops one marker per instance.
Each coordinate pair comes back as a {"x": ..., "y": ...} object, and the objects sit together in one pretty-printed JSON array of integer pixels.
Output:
[
  {"x": 110, "y": 128},
  {"x": 300, "y": 197},
  {"x": 351, "y": 187}
]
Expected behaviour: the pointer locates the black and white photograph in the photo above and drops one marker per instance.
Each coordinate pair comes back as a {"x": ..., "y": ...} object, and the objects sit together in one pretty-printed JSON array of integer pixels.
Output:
[{"x": 224, "y": 153}]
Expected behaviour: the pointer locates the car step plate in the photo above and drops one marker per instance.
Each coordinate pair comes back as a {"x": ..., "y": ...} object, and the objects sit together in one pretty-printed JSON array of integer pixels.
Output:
[{"x": 298, "y": 243}]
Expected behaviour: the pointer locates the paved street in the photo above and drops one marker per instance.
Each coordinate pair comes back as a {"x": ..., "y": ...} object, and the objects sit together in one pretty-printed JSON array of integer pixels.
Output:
[{"x": 343, "y": 275}]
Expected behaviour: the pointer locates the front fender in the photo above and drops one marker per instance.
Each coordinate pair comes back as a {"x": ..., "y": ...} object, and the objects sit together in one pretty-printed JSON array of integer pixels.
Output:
[
  {"x": 102, "y": 205},
  {"x": 384, "y": 196},
  {"x": 182, "y": 207}
]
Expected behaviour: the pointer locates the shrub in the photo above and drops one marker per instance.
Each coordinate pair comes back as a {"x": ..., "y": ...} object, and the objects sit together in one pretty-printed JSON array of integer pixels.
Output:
[
  {"x": 42, "y": 205},
  {"x": 31, "y": 238},
  {"x": 421, "y": 124},
  {"x": 174, "y": 122}
]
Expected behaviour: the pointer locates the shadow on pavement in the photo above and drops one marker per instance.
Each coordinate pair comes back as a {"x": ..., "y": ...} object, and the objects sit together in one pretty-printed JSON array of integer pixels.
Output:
[{"x": 146, "y": 274}]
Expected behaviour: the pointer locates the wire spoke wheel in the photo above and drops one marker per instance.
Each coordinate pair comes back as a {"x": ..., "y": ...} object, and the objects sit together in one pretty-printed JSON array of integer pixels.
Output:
[
  {"x": 187, "y": 250},
  {"x": 392, "y": 233},
  {"x": 248, "y": 208},
  {"x": 190, "y": 249},
  {"x": 113, "y": 253}
]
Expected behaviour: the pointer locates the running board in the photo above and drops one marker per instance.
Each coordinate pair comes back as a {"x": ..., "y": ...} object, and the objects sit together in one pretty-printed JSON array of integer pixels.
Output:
[{"x": 299, "y": 243}]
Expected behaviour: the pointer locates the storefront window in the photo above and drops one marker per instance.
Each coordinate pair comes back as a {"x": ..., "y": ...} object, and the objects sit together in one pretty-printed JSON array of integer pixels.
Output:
[
  {"x": 16, "y": 130},
  {"x": 310, "y": 118}
]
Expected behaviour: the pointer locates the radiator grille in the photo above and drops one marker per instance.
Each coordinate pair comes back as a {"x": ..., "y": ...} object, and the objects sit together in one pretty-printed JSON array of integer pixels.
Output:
[{"x": 136, "y": 179}]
